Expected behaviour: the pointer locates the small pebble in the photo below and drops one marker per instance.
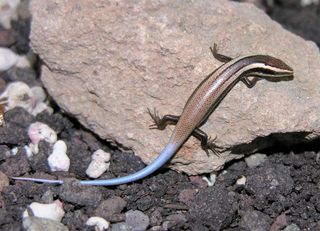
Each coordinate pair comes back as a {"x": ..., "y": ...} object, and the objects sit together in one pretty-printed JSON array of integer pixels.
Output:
[
  {"x": 305, "y": 3},
  {"x": 23, "y": 10},
  {"x": 99, "y": 164},
  {"x": 173, "y": 220},
  {"x": 156, "y": 218},
  {"x": 40, "y": 224},
  {"x": 255, "y": 160},
  {"x": 4, "y": 181},
  {"x": 110, "y": 206},
  {"x": 99, "y": 223},
  {"x": 8, "y": 59},
  {"x": 241, "y": 181},
  {"x": 53, "y": 211},
  {"x": 17, "y": 94},
  {"x": 255, "y": 220},
  {"x": 47, "y": 196},
  {"x": 120, "y": 227},
  {"x": 58, "y": 160},
  {"x": 137, "y": 220},
  {"x": 187, "y": 195},
  {"x": 212, "y": 180},
  {"x": 23, "y": 62},
  {"x": 26, "y": 75},
  {"x": 280, "y": 222},
  {"x": 29, "y": 150},
  {"x": 41, "y": 107},
  {"x": 101, "y": 156},
  {"x": 292, "y": 227},
  {"x": 14, "y": 151},
  {"x": 71, "y": 191},
  {"x": 4, "y": 152},
  {"x": 198, "y": 181},
  {"x": 39, "y": 94},
  {"x": 8, "y": 12},
  {"x": 156, "y": 228},
  {"x": 40, "y": 131},
  {"x": 15, "y": 165}
]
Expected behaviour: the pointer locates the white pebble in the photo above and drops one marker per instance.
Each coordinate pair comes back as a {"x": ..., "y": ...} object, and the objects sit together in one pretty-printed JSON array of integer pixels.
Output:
[
  {"x": 58, "y": 160},
  {"x": 23, "y": 62},
  {"x": 39, "y": 131},
  {"x": 99, "y": 223},
  {"x": 29, "y": 151},
  {"x": 255, "y": 160},
  {"x": 39, "y": 97},
  {"x": 7, "y": 59},
  {"x": 8, "y": 12},
  {"x": 308, "y": 2},
  {"x": 14, "y": 151},
  {"x": 17, "y": 94},
  {"x": 40, "y": 107},
  {"x": 99, "y": 163},
  {"x": 53, "y": 211},
  {"x": 241, "y": 181},
  {"x": 101, "y": 156},
  {"x": 39, "y": 94},
  {"x": 96, "y": 169},
  {"x": 34, "y": 148},
  {"x": 212, "y": 180},
  {"x": 10, "y": 59}
]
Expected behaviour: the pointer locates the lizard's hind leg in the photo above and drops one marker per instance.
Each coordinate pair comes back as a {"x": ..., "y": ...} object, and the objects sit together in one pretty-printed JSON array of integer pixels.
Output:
[{"x": 161, "y": 123}]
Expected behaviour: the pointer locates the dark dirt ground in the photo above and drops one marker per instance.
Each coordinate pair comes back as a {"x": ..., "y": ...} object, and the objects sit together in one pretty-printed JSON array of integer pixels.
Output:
[{"x": 283, "y": 191}]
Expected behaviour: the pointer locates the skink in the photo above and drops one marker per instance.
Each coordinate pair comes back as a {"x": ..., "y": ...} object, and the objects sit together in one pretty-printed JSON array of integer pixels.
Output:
[{"x": 202, "y": 102}]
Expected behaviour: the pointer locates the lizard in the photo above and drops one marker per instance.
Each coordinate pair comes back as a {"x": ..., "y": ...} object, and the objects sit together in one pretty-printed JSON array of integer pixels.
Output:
[{"x": 200, "y": 105}]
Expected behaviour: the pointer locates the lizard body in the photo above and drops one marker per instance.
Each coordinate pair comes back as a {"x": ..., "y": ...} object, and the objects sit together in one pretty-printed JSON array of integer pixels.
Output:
[{"x": 198, "y": 108}]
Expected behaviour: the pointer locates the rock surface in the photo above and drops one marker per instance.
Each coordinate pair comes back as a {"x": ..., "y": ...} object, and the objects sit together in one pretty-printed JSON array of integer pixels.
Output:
[{"x": 121, "y": 58}]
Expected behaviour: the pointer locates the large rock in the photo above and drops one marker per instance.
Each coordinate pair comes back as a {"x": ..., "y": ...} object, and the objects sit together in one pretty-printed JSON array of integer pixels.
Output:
[{"x": 107, "y": 62}]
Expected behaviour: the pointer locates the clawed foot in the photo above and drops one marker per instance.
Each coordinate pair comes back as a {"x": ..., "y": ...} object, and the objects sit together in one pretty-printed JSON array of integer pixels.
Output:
[
  {"x": 156, "y": 119},
  {"x": 210, "y": 145},
  {"x": 218, "y": 56}
]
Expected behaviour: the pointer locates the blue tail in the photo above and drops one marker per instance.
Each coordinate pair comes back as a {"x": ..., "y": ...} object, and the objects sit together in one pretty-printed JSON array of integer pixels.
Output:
[{"x": 163, "y": 158}]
